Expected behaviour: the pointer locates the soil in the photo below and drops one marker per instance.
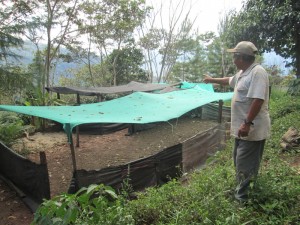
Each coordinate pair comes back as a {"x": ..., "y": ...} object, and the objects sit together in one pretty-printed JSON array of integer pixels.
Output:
[{"x": 94, "y": 152}]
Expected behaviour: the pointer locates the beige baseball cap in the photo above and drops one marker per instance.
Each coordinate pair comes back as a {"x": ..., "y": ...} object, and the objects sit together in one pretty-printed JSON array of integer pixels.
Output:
[{"x": 244, "y": 47}]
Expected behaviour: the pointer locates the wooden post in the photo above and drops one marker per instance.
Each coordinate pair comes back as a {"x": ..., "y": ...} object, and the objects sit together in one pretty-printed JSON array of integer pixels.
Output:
[
  {"x": 201, "y": 112},
  {"x": 77, "y": 136},
  {"x": 220, "y": 111},
  {"x": 73, "y": 153},
  {"x": 43, "y": 161},
  {"x": 78, "y": 99},
  {"x": 99, "y": 98}
]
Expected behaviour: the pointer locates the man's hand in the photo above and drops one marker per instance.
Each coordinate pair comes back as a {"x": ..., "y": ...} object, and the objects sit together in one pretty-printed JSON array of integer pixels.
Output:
[
  {"x": 244, "y": 130},
  {"x": 207, "y": 78}
]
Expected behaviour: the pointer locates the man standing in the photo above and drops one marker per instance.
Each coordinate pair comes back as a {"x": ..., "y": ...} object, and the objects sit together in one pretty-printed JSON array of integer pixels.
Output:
[{"x": 250, "y": 121}]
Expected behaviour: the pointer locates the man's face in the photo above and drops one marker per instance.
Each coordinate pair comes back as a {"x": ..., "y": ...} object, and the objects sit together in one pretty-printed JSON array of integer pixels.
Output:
[{"x": 237, "y": 60}]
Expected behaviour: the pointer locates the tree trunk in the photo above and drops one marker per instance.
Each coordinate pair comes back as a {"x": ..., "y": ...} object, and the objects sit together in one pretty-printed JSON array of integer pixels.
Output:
[{"x": 298, "y": 56}]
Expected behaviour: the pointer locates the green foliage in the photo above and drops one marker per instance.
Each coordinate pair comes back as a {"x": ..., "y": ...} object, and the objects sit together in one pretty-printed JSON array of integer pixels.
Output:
[
  {"x": 275, "y": 29},
  {"x": 202, "y": 200},
  {"x": 294, "y": 87},
  {"x": 37, "y": 98},
  {"x": 287, "y": 80},
  {"x": 81, "y": 77},
  {"x": 126, "y": 65},
  {"x": 281, "y": 105},
  {"x": 36, "y": 68},
  {"x": 12, "y": 16},
  {"x": 12, "y": 25},
  {"x": 219, "y": 62},
  {"x": 97, "y": 204},
  {"x": 275, "y": 74},
  {"x": 191, "y": 63},
  {"x": 13, "y": 80},
  {"x": 111, "y": 23},
  {"x": 11, "y": 127},
  {"x": 195, "y": 58}
]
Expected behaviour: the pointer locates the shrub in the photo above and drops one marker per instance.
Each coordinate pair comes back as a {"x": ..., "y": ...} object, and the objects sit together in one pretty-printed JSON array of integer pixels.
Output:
[
  {"x": 11, "y": 127},
  {"x": 97, "y": 204},
  {"x": 282, "y": 104},
  {"x": 294, "y": 87}
]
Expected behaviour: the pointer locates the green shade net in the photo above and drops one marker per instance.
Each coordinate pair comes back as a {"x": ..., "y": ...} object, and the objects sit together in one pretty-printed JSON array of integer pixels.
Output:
[
  {"x": 207, "y": 87},
  {"x": 138, "y": 107}
]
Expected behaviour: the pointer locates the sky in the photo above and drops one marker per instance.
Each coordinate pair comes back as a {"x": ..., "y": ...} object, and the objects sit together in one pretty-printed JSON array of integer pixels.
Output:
[{"x": 206, "y": 12}]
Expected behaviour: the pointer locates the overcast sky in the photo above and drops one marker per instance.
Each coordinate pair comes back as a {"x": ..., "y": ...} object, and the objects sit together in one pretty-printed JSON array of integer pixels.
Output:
[{"x": 208, "y": 12}]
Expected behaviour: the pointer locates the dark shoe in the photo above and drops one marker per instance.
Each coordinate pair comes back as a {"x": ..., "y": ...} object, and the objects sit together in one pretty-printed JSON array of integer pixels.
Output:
[{"x": 241, "y": 198}]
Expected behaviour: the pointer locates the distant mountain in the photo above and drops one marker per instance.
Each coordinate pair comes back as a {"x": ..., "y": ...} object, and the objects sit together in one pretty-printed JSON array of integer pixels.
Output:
[
  {"x": 28, "y": 51},
  {"x": 26, "y": 54}
]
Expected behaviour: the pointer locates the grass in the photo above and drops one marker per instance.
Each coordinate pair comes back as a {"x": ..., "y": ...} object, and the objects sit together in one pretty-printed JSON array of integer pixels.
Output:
[{"x": 207, "y": 196}]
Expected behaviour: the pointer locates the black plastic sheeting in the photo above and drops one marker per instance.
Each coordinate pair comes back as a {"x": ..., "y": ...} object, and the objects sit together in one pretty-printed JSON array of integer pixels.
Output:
[
  {"x": 102, "y": 128},
  {"x": 211, "y": 111},
  {"x": 151, "y": 171},
  {"x": 198, "y": 148},
  {"x": 29, "y": 178},
  {"x": 157, "y": 169},
  {"x": 92, "y": 91}
]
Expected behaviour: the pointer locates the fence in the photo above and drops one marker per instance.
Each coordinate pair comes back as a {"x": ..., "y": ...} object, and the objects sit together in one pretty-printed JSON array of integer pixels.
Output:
[{"x": 30, "y": 180}]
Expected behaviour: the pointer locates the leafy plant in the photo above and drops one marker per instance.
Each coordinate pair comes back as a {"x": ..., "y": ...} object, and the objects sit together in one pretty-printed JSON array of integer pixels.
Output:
[
  {"x": 37, "y": 98},
  {"x": 11, "y": 127},
  {"x": 294, "y": 87},
  {"x": 97, "y": 204}
]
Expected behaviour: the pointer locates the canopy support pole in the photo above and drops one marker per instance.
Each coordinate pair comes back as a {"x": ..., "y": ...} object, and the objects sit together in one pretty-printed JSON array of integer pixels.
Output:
[
  {"x": 220, "y": 111},
  {"x": 73, "y": 153},
  {"x": 77, "y": 136},
  {"x": 78, "y": 99}
]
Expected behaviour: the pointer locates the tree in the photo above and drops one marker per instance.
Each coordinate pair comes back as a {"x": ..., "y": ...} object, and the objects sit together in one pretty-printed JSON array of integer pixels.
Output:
[
  {"x": 12, "y": 15},
  {"x": 61, "y": 15},
  {"x": 12, "y": 26},
  {"x": 36, "y": 68},
  {"x": 270, "y": 25},
  {"x": 160, "y": 43},
  {"x": 110, "y": 25},
  {"x": 127, "y": 65},
  {"x": 192, "y": 63}
]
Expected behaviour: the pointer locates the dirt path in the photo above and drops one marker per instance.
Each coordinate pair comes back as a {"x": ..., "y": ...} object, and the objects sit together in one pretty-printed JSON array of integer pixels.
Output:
[{"x": 12, "y": 209}]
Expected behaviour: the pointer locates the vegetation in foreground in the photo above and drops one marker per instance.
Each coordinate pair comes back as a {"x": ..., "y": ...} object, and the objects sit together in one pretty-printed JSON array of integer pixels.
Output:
[{"x": 207, "y": 196}]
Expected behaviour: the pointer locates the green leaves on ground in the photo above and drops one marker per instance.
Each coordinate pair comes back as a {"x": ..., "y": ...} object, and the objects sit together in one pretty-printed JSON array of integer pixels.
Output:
[{"x": 97, "y": 204}]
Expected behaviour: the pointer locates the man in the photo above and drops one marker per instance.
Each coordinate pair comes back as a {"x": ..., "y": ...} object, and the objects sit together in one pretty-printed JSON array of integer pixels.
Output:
[{"x": 250, "y": 121}]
